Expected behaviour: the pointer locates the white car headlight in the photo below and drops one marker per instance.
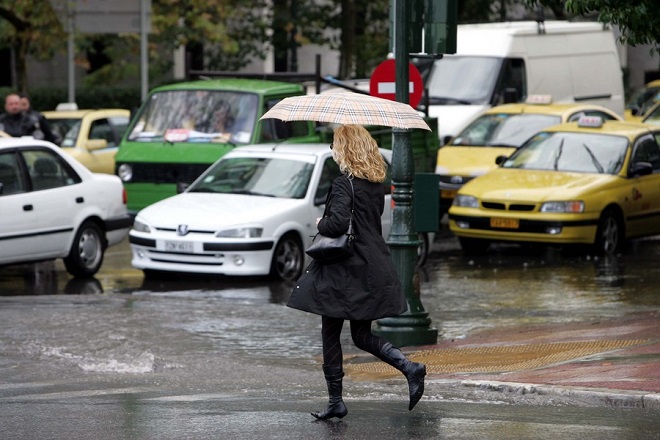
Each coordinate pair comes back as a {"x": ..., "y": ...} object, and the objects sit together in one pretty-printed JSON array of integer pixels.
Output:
[
  {"x": 466, "y": 201},
  {"x": 243, "y": 232},
  {"x": 125, "y": 172},
  {"x": 141, "y": 227},
  {"x": 572, "y": 206}
]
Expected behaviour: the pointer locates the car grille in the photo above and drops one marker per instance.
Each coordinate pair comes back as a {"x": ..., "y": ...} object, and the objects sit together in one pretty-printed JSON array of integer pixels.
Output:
[
  {"x": 510, "y": 207},
  {"x": 166, "y": 172}
]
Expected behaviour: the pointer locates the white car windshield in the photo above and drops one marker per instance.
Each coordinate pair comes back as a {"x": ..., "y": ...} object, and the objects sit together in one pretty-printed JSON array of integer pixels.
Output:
[
  {"x": 463, "y": 80},
  {"x": 571, "y": 152},
  {"x": 257, "y": 176},
  {"x": 503, "y": 129},
  {"x": 197, "y": 116}
]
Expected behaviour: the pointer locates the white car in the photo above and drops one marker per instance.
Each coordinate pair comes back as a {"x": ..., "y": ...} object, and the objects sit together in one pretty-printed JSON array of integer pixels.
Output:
[
  {"x": 53, "y": 207},
  {"x": 253, "y": 212}
]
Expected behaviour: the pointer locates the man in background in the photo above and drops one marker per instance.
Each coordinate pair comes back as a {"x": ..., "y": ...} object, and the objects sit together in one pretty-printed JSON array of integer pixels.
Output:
[
  {"x": 39, "y": 119},
  {"x": 14, "y": 121}
]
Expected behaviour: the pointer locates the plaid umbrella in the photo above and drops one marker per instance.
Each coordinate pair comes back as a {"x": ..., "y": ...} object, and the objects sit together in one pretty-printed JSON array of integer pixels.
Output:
[{"x": 347, "y": 108}]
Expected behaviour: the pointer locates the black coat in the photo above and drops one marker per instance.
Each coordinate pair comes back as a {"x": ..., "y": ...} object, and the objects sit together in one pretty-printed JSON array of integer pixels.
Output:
[{"x": 364, "y": 286}]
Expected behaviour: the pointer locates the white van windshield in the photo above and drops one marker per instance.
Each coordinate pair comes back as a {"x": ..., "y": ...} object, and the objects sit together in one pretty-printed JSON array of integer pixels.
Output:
[
  {"x": 197, "y": 116},
  {"x": 463, "y": 80}
]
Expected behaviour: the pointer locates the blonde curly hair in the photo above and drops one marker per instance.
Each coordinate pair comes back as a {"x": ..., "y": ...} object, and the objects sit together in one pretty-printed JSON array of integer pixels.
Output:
[{"x": 357, "y": 154}]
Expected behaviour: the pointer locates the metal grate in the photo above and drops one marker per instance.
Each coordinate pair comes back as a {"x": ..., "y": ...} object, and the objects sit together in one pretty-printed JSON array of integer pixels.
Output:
[{"x": 494, "y": 359}]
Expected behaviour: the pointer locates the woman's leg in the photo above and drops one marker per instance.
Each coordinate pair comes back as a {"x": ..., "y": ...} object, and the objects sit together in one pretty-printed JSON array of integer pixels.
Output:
[
  {"x": 330, "y": 335},
  {"x": 332, "y": 368},
  {"x": 383, "y": 350}
]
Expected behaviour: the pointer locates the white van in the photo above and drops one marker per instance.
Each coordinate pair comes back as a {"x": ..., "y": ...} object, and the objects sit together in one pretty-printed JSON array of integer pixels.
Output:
[{"x": 496, "y": 63}]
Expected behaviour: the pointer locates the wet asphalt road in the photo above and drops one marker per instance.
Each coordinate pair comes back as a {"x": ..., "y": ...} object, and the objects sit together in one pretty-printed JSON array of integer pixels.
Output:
[{"x": 122, "y": 358}]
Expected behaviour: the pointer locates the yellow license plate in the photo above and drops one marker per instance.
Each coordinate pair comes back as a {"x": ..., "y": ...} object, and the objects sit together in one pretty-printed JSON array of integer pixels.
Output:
[
  {"x": 507, "y": 223},
  {"x": 448, "y": 193}
]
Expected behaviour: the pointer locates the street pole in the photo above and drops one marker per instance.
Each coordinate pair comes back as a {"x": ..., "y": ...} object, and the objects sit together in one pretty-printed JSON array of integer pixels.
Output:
[{"x": 413, "y": 327}]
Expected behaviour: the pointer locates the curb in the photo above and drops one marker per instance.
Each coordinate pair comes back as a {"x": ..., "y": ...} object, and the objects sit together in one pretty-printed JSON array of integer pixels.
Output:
[{"x": 574, "y": 395}]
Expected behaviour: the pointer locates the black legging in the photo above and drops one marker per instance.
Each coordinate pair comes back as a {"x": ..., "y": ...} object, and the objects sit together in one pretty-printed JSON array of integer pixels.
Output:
[{"x": 360, "y": 332}]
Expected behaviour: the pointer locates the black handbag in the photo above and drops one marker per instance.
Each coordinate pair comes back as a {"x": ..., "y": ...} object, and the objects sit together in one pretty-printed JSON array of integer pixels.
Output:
[{"x": 333, "y": 249}]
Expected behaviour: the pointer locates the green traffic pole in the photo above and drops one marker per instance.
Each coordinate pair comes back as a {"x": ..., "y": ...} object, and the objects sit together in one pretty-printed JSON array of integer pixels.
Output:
[{"x": 413, "y": 327}]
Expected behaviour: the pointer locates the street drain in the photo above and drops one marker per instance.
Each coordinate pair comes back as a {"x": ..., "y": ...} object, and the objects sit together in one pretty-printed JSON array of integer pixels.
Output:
[{"x": 493, "y": 359}]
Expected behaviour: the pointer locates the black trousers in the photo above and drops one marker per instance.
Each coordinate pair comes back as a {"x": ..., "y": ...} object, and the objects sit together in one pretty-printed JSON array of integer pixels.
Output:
[{"x": 360, "y": 332}]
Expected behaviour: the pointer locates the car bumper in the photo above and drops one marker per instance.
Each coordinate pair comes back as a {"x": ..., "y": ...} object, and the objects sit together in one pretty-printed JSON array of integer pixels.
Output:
[
  {"x": 222, "y": 258},
  {"x": 557, "y": 230},
  {"x": 117, "y": 228}
]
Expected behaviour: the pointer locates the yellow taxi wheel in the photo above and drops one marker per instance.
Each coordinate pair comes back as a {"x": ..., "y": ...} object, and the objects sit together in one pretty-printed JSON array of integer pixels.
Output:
[
  {"x": 473, "y": 246},
  {"x": 610, "y": 233}
]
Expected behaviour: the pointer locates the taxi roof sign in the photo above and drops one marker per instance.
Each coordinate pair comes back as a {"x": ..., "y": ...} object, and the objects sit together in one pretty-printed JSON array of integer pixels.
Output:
[
  {"x": 590, "y": 121},
  {"x": 539, "y": 99}
]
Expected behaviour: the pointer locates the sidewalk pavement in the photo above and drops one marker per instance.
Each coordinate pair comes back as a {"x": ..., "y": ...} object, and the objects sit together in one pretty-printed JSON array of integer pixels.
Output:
[{"x": 605, "y": 363}]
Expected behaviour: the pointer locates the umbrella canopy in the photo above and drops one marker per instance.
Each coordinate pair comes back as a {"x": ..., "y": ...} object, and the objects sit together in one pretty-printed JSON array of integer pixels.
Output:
[{"x": 347, "y": 108}]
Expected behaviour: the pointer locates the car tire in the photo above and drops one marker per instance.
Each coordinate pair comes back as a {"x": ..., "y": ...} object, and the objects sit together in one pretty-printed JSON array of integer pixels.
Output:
[
  {"x": 610, "y": 233},
  {"x": 422, "y": 248},
  {"x": 288, "y": 258},
  {"x": 473, "y": 246},
  {"x": 86, "y": 254}
]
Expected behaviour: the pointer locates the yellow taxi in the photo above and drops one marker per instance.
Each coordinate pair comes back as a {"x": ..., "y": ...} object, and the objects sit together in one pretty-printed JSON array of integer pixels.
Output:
[
  {"x": 500, "y": 131},
  {"x": 91, "y": 136},
  {"x": 641, "y": 101},
  {"x": 590, "y": 182}
]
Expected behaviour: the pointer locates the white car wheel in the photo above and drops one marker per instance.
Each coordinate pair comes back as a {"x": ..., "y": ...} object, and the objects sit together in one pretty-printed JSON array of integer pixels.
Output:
[
  {"x": 288, "y": 259},
  {"x": 86, "y": 254}
]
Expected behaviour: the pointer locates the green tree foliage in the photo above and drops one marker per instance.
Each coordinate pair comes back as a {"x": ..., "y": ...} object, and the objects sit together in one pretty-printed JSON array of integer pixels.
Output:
[
  {"x": 223, "y": 34},
  {"x": 638, "y": 20},
  {"x": 29, "y": 27}
]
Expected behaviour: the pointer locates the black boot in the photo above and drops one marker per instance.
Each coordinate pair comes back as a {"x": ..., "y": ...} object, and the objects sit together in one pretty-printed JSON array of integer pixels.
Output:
[
  {"x": 336, "y": 407},
  {"x": 413, "y": 371}
]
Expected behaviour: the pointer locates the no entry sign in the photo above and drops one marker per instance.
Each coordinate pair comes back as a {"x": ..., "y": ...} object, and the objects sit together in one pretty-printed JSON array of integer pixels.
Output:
[{"x": 383, "y": 81}]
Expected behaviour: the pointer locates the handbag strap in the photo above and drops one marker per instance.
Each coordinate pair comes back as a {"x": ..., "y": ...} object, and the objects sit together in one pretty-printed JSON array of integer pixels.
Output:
[{"x": 350, "y": 220}]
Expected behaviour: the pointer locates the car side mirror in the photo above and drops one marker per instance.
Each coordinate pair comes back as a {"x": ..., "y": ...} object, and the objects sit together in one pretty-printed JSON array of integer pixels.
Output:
[
  {"x": 499, "y": 160},
  {"x": 96, "y": 144},
  {"x": 634, "y": 110},
  {"x": 641, "y": 169},
  {"x": 446, "y": 139}
]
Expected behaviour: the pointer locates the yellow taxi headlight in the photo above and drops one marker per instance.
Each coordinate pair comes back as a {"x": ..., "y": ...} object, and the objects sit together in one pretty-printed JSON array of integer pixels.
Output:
[
  {"x": 466, "y": 201},
  {"x": 572, "y": 206}
]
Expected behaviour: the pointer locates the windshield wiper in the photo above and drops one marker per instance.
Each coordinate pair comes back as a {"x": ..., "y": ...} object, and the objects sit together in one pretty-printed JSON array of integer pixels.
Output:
[
  {"x": 597, "y": 164},
  {"x": 249, "y": 193},
  {"x": 560, "y": 150},
  {"x": 447, "y": 100}
]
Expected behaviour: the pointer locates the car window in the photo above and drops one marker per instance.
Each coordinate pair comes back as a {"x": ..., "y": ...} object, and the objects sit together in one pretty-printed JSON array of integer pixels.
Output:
[
  {"x": 197, "y": 116},
  {"x": 571, "y": 152},
  {"x": 71, "y": 135},
  {"x": 61, "y": 126},
  {"x": 101, "y": 129},
  {"x": 328, "y": 174},
  {"x": 48, "y": 170},
  {"x": 647, "y": 150},
  {"x": 10, "y": 175},
  {"x": 503, "y": 129},
  {"x": 276, "y": 129},
  {"x": 119, "y": 124},
  {"x": 257, "y": 176}
]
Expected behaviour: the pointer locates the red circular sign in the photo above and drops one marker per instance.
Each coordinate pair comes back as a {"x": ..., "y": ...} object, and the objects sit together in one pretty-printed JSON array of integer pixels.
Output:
[{"x": 383, "y": 80}]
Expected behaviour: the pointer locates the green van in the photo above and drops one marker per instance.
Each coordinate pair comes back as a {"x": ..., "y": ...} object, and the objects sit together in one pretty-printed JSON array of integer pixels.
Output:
[{"x": 183, "y": 128}]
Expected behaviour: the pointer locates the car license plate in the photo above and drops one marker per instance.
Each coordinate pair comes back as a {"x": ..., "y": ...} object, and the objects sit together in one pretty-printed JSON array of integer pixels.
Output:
[
  {"x": 448, "y": 193},
  {"x": 506, "y": 223},
  {"x": 179, "y": 246}
]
